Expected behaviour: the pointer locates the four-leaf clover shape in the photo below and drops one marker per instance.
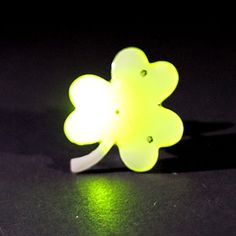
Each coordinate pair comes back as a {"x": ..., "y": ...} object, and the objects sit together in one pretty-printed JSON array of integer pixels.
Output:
[{"x": 126, "y": 111}]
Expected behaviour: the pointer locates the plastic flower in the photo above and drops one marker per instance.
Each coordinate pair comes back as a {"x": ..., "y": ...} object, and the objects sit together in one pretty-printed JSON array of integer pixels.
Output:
[{"x": 126, "y": 111}]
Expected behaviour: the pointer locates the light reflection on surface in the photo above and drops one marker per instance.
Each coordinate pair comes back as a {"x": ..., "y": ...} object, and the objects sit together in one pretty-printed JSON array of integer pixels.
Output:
[{"x": 104, "y": 204}]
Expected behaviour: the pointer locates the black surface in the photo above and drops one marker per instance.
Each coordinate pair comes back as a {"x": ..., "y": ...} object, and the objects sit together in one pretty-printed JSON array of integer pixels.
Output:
[{"x": 191, "y": 190}]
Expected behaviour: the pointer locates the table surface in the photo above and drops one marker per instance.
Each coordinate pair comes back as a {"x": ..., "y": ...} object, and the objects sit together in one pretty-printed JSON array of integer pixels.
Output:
[{"x": 191, "y": 190}]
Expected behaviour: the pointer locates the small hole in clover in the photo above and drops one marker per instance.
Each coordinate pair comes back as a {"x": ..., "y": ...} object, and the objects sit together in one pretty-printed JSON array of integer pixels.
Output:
[
  {"x": 149, "y": 139},
  {"x": 143, "y": 72}
]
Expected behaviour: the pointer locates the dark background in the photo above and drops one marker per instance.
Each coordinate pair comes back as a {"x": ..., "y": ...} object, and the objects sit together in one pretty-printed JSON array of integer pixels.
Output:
[{"x": 191, "y": 190}]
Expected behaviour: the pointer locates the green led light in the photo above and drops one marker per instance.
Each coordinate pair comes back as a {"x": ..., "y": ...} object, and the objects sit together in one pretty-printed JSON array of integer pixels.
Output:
[
  {"x": 103, "y": 201},
  {"x": 127, "y": 111}
]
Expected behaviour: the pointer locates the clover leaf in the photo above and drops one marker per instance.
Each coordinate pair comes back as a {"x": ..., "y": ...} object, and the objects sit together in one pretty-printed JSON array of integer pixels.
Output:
[{"x": 126, "y": 111}]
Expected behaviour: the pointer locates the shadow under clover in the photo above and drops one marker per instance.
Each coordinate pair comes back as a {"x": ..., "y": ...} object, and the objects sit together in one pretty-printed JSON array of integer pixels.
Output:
[
  {"x": 38, "y": 134},
  {"x": 201, "y": 150}
]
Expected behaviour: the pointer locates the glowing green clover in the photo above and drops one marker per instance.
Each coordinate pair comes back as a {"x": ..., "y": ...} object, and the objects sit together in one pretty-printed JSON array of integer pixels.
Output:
[{"x": 126, "y": 111}]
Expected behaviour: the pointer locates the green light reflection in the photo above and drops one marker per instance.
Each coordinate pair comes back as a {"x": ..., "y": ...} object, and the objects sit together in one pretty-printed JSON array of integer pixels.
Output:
[{"x": 106, "y": 204}]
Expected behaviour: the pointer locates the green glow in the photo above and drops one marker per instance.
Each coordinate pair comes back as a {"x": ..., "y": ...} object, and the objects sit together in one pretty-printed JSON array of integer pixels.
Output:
[
  {"x": 104, "y": 200},
  {"x": 127, "y": 111},
  {"x": 90, "y": 122}
]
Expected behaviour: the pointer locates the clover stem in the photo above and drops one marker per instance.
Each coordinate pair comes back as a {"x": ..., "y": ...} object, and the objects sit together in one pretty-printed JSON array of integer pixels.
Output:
[{"x": 80, "y": 164}]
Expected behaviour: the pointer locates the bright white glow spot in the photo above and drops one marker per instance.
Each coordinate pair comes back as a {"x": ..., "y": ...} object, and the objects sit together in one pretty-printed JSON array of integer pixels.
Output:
[{"x": 90, "y": 122}]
